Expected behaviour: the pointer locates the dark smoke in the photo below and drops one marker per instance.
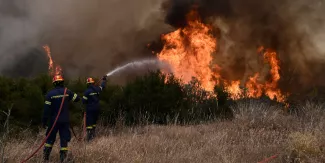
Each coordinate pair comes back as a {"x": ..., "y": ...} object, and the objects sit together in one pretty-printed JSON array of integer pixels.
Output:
[
  {"x": 292, "y": 28},
  {"x": 178, "y": 9},
  {"x": 85, "y": 37},
  {"x": 31, "y": 64},
  {"x": 94, "y": 37}
]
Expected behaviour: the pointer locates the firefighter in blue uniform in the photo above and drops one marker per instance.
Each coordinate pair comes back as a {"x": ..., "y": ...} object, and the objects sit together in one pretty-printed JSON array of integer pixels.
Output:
[
  {"x": 91, "y": 100},
  {"x": 53, "y": 101}
]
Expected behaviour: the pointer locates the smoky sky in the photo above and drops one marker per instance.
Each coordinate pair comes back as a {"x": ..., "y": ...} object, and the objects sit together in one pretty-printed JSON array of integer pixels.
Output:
[
  {"x": 87, "y": 38},
  {"x": 176, "y": 10},
  {"x": 93, "y": 37}
]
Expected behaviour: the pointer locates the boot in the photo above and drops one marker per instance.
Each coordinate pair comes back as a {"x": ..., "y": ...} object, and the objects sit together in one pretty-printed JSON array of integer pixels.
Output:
[
  {"x": 89, "y": 134},
  {"x": 46, "y": 153},
  {"x": 63, "y": 155},
  {"x": 94, "y": 132}
]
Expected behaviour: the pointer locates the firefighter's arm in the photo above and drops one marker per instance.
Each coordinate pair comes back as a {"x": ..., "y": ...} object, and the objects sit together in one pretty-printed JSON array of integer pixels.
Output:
[
  {"x": 74, "y": 97},
  {"x": 85, "y": 98},
  {"x": 47, "y": 111},
  {"x": 103, "y": 84}
]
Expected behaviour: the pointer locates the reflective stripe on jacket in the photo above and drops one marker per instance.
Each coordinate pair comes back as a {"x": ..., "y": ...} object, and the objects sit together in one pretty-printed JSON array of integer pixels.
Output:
[{"x": 53, "y": 101}]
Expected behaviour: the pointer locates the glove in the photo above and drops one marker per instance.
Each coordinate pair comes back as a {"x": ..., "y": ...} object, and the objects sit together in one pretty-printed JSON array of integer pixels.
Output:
[{"x": 104, "y": 77}]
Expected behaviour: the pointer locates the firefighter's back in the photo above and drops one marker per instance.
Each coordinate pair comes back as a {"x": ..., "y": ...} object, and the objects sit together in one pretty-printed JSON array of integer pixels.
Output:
[
  {"x": 93, "y": 98},
  {"x": 56, "y": 95}
]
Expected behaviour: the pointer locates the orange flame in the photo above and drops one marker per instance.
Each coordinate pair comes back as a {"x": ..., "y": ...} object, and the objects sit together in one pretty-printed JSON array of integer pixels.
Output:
[
  {"x": 233, "y": 88},
  {"x": 48, "y": 52},
  {"x": 52, "y": 71},
  {"x": 189, "y": 51},
  {"x": 271, "y": 89},
  {"x": 254, "y": 89}
]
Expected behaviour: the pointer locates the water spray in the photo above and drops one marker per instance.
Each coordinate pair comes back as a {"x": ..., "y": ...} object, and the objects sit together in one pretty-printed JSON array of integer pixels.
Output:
[{"x": 137, "y": 64}]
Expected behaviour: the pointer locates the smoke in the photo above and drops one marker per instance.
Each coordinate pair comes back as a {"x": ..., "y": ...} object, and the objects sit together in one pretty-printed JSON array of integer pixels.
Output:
[
  {"x": 295, "y": 29},
  {"x": 93, "y": 37},
  {"x": 85, "y": 37}
]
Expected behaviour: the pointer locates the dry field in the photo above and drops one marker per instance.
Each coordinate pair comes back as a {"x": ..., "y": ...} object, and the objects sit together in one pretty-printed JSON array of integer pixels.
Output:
[{"x": 257, "y": 132}]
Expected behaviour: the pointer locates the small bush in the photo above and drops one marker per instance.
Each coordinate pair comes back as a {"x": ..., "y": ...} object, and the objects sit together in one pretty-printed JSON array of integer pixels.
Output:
[{"x": 304, "y": 146}]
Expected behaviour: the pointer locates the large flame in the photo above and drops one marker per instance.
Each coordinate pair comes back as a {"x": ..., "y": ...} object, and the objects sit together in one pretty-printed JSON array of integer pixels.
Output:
[
  {"x": 270, "y": 88},
  {"x": 233, "y": 87},
  {"x": 189, "y": 51},
  {"x": 48, "y": 52},
  {"x": 255, "y": 89},
  {"x": 52, "y": 71}
]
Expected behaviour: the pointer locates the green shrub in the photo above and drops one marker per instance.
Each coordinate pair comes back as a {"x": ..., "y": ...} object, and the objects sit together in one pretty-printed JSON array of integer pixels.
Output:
[
  {"x": 153, "y": 98},
  {"x": 157, "y": 98}
]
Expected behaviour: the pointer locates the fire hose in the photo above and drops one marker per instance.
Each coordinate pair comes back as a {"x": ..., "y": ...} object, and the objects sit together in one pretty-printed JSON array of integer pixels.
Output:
[
  {"x": 56, "y": 119},
  {"x": 83, "y": 128},
  {"x": 79, "y": 139},
  {"x": 269, "y": 159},
  {"x": 84, "y": 132},
  {"x": 47, "y": 136},
  {"x": 84, "y": 123}
]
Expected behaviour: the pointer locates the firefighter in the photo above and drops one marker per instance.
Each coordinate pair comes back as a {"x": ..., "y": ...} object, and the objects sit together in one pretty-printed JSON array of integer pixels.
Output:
[
  {"x": 53, "y": 101},
  {"x": 91, "y": 100}
]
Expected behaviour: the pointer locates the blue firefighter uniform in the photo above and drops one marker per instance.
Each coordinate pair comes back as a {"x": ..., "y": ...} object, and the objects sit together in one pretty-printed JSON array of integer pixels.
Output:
[
  {"x": 91, "y": 100},
  {"x": 53, "y": 101}
]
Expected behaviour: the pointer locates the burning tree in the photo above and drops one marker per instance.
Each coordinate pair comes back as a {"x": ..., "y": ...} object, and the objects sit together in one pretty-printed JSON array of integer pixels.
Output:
[
  {"x": 53, "y": 69},
  {"x": 189, "y": 51}
]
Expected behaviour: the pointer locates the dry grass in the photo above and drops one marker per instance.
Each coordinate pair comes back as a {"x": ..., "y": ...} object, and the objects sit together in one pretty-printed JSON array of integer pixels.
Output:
[{"x": 257, "y": 132}]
